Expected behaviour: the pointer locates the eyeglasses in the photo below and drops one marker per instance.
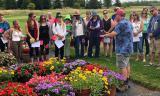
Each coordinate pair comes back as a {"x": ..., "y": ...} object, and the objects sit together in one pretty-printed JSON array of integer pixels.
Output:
[
  {"x": 144, "y": 13},
  {"x": 151, "y": 11}
]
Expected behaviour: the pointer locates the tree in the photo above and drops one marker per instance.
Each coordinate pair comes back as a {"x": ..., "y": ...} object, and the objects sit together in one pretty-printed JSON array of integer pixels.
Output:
[
  {"x": 46, "y": 4},
  {"x": 23, "y": 4},
  {"x": 38, "y": 3},
  {"x": 107, "y": 3},
  {"x": 118, "y": 3},
  {"x": 94, "y": 4},
  {"x": 31, "y": 6},
  {"x": 69, "y": 3},
  {"x": 10, "y": 4},
  {"x": 57, "y": 4},
  {"x": 1, "y": 3},
  {"x": 81, "y": 3}
]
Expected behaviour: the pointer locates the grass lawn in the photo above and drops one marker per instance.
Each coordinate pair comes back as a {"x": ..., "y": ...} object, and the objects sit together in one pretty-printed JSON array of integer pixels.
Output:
[{"x": 147, "y": 76}]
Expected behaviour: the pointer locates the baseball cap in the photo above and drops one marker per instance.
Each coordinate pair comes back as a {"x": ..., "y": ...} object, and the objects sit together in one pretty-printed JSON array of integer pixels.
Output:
[{"x": 120, "y": 12}]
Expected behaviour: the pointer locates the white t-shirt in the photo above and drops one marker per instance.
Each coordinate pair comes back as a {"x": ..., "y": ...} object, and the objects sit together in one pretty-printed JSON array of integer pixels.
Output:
[
  {"x": 16, "y": 36},
  {"x": 136, "y": 28},
  {"x": 58, "y": 29}
]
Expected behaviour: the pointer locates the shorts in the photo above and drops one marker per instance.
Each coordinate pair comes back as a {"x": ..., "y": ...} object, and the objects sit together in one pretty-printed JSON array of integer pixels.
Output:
[
  {"x": 122, "y": 61},
  {"x": 107, "y": 40},
  {"x": 155, "y": 45}
]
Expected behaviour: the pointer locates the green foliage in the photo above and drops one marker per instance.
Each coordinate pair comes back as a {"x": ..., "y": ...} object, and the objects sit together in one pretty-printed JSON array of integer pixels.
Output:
[
  {"x": 93, "y": 4},
  {"x": 23, "y": 4},
  {"x": 107, "y": 3},
  {"x": 69, "y": 3},
  {"x": 46, "y": 4},
  {"x": 77, "y": 5},
  {"x": 1, "y": 3},
  {"x": 31, "y": 6},
  {"x": 10, "y": 4},
  {"x": 57, "y": 4},
  {"x": 118, "y": 3}
]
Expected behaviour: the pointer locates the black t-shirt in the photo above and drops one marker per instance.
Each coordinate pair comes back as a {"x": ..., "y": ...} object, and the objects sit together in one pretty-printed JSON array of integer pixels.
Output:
[{"x": 107, "y": 24}]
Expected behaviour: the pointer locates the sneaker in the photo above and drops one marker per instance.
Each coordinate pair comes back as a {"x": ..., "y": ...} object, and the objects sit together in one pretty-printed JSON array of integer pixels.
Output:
[
  {"x": 158, "y": 65},
  {"x": 150, "y": 63},
  {"x": 147, "y": 64},
  {"x": 158, "y": 68},
  {"x": 144, "y": 60}
]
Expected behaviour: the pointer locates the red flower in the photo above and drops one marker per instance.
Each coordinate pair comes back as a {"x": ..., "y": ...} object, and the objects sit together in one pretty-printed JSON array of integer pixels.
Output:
[{"x": 26, "y": 72}]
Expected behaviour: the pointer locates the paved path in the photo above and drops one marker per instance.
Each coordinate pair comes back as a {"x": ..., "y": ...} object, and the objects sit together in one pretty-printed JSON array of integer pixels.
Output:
[{"x": 137, "y": 90}]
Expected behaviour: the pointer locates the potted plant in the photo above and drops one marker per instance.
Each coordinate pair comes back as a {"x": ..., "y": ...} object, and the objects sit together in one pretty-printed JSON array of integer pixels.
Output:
[
  {"x": 7, "y": 59},
  {"x": 115, "y": 79},
  {"x": 88, "y": 82}
]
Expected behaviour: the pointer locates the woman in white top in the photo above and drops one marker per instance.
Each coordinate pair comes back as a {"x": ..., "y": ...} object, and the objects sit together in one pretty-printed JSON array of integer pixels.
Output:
[
  {"x": 59, "y": 30},
  {"x": 14, "y": 35},
  {"x": 137, "y": 39}
]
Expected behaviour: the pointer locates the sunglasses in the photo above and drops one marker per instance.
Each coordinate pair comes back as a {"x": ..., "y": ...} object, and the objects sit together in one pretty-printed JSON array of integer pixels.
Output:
[
  {"x": 105, "y": 13},
  {"x": 151, "y": 11},
  {"x": 144, "y": 13}
]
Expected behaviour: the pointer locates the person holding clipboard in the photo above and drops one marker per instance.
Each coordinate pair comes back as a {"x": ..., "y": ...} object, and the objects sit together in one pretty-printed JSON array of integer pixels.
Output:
[{"x": 32, "y": 30}]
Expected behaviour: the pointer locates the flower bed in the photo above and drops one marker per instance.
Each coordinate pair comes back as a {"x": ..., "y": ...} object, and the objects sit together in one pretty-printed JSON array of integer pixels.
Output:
[
  {"x": 57, "y": 78},
  {"x": 16, "y": 89}
]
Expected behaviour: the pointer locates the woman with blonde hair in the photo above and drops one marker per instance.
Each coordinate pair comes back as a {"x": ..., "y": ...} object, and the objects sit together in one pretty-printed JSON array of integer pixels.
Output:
[
  {"x": 14, "y": 36},
  {"x": 145, "y": 19},
  {"x": 32, "y": 30},
  {"x": 59, "y": 30},
  {"x": 137, "y": 36}
]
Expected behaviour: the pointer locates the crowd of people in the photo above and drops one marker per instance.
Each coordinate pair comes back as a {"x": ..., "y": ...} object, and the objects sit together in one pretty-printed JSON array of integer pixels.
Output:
[{"x": 117, "y": 34}]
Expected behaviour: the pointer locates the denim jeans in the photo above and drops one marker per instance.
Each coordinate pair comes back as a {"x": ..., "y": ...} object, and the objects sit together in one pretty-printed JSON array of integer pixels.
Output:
[
  {"x": 94, "y": 42},
  {"x": 137, "y": 46},
  {"x": 79, "y": 43}
]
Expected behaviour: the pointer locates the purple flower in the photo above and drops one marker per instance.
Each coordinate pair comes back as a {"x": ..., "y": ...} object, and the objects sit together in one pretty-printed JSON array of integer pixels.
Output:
[{"x": 56, "y": 91}]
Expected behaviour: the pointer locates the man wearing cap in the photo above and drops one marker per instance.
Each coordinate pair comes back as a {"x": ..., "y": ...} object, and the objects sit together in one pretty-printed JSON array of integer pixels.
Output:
[
  {"x": 154, "y": 34},
  {"x": 79, "y": 34},
  {"x": 94, "y": 26},
  {"x": 123, "y": 43},
  {"x": 4, "y": 26}
]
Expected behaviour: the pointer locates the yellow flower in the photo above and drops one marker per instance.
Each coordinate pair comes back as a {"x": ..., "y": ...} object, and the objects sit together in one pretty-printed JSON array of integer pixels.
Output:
[
  {"x": 75, "y": 80},
  {"x": 88, "y": 72},
  {"x": 108, "y": 92},
  {"x": 52, "y": 67},
  {"x": 101, "y": 71},
  {"x": 5, "y": 71},
  {"x": 57, "y": 62},
  {"x": 94, "y": 70},
  {"x": 12, "y": 72},
  {"x": 84, "y": 77},
  {"x": 80, "y": 75},
  {"x": 70, "y": 78},
  {"x": 78, "y": 68},
  {"x": 66, "y": 78},
  {"x": 0, "y": 71}
]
